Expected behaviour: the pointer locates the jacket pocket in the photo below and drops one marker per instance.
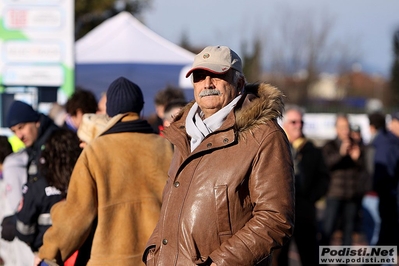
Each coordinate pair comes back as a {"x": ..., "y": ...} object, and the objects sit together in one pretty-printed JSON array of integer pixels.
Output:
[
  {"x": 150, "y": 258},
  {"x": 222, "y": 213}
]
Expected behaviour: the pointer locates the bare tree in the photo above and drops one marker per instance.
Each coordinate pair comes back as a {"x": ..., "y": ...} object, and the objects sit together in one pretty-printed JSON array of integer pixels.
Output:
[
  {"x": 301, "y": 44},
  {"x": 252, "y": 61},
  {"x": 91, "y": 13},
  {"x": 394, "y": 79}
]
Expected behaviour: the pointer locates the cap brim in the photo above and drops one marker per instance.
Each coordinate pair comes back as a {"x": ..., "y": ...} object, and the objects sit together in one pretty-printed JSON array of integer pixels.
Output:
[{"x": 213, "y": 69}]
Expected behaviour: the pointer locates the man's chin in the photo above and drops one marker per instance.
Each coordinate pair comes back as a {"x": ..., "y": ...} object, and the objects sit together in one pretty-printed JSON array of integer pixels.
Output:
[{"x": 27, "y": 144}]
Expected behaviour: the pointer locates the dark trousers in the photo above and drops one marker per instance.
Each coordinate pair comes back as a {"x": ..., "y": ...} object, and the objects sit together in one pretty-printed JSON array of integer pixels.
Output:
[
  {"x": 389, "y": 231},
  {"x": 306, "y": 243},
  {"x": 305, "y": 236},
  {"x": 344, "y": 210}
]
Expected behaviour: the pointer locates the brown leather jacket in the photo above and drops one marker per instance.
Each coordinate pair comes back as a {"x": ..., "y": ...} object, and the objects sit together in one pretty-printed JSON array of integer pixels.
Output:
[{"x": 231, "y": 200}]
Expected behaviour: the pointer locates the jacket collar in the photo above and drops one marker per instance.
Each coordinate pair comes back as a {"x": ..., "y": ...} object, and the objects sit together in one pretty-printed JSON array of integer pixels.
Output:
[{"x": 127, "y": 122}]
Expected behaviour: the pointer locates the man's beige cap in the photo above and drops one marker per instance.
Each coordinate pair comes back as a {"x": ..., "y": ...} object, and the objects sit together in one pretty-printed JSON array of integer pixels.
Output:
[{"x": 216, "y": 59}]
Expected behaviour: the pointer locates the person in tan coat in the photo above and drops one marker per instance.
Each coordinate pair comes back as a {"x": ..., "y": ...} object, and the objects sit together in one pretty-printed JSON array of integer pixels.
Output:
[
  {"x": 229, "y": 199},
  {"x": 118, "y": 180}
]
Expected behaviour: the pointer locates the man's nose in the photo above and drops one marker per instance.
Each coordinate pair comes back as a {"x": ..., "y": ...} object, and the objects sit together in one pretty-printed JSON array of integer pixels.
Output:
[{"x": 208, "y": 83}]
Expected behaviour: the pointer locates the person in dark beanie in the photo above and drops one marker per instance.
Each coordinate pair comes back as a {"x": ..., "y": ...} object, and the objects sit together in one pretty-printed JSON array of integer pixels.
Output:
[
  {"x": 32, "y": 128},
  {"x": 124, "y": 96},
  {"x": 21, "y": 112},
  {"x": 118, "y": 180}
]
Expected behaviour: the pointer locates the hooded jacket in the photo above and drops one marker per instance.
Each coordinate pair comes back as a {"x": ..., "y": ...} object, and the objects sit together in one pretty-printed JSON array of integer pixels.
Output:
[
  {"x": 231, "y": 200},
  {"x": 20, "y": 169},
  {"x": 47, "y": 126},
  {"x": 118, "y": 179}
]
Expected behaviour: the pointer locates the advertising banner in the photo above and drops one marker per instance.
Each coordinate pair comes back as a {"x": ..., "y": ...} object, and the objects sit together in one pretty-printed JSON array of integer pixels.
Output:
[{"x": 37, "y": 44}]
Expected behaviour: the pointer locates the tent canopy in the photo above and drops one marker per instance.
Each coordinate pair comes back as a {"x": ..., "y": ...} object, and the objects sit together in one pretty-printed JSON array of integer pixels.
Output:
[{"x": 122, "y": 46}]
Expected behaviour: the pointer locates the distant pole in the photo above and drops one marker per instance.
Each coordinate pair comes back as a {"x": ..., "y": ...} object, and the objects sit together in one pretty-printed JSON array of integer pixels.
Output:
[{"x": 395, "y": 69}]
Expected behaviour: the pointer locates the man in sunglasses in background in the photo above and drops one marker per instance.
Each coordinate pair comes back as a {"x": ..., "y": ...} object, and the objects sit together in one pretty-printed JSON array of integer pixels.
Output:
[{"x": 311, "y": 183}]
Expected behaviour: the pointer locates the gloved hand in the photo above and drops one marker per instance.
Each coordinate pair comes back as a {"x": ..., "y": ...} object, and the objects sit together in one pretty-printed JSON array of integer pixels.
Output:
[{"x": 8, "y": 229}]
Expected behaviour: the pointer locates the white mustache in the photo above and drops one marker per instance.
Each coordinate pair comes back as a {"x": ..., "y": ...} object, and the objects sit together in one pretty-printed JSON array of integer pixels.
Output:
[{"x": 209, "y": 92}]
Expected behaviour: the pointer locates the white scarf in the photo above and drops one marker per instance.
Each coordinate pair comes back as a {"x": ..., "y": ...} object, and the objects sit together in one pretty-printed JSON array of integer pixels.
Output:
[{"x": 198, "y": 129}]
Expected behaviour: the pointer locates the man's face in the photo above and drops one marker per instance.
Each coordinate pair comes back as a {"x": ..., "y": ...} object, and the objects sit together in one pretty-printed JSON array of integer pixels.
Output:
[
  {"x": 343, "y": 128},
  {"x": 212, "y": 92},
  {"x": 102, "y": 105},
  {"x": 394, "y": 127},
  {"x": 293, "y": 125},
  {"x": 26, "y": 132},
  {"x": 169, "y": 116}
]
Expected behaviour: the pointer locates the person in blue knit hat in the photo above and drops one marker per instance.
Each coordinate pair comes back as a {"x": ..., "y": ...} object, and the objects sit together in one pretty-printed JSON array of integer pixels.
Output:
[
  {"x": 117, "y": 184},
  {"x": 32, "y": 128}
]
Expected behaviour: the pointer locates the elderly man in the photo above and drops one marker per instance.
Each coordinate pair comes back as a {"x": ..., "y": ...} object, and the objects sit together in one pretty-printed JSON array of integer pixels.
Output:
[
  {"x": 118, "y": 181},
  {"x": 311, "y": 183},
  {"x": 229, "y": 199}
]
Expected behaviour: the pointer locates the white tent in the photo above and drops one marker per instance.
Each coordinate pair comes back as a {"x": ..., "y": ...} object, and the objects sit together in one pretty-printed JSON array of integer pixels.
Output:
[{"x": 122, "y": 46}]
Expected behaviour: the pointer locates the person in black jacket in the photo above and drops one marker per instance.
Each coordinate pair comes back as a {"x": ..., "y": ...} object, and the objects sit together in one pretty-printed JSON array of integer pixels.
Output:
[
  {"x": 33, "y": 129},
  {"x": 311, "y": 183},
  {"x": 345, "y": 160},
  {"x": 57, "y": 160}
]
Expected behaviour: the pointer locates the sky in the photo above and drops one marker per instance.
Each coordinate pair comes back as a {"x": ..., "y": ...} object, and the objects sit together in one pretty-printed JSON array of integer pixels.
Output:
[{"x": 368, "y": 24}]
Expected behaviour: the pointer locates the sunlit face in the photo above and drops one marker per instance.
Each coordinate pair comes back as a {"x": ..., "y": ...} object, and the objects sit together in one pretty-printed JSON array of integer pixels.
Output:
[
  {"x": 342, "y": 128},
  {"x": 212, "y": 92},
  {"x": 77, "y": 119},
  {"x": 169, "y": 116},
  {"x": 26, "y": 132},
  {"x": 102, "y": 105},
  {"x": 293, "y": 124},
  {"x": 394, "y": 127}
]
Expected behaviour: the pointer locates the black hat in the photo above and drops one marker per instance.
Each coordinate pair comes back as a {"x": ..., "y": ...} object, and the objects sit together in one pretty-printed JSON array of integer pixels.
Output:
[
  {"x": 20, "y": 112},
  {"x": 124, "y": 96}
]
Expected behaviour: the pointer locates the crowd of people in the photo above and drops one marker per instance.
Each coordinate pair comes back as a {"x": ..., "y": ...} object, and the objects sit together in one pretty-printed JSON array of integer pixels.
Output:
[{"x": 228, "y": 178}]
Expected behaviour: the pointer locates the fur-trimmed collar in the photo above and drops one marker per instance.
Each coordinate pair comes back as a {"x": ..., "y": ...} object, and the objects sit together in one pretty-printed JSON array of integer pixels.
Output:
[{"x": 260, "y": 103}]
